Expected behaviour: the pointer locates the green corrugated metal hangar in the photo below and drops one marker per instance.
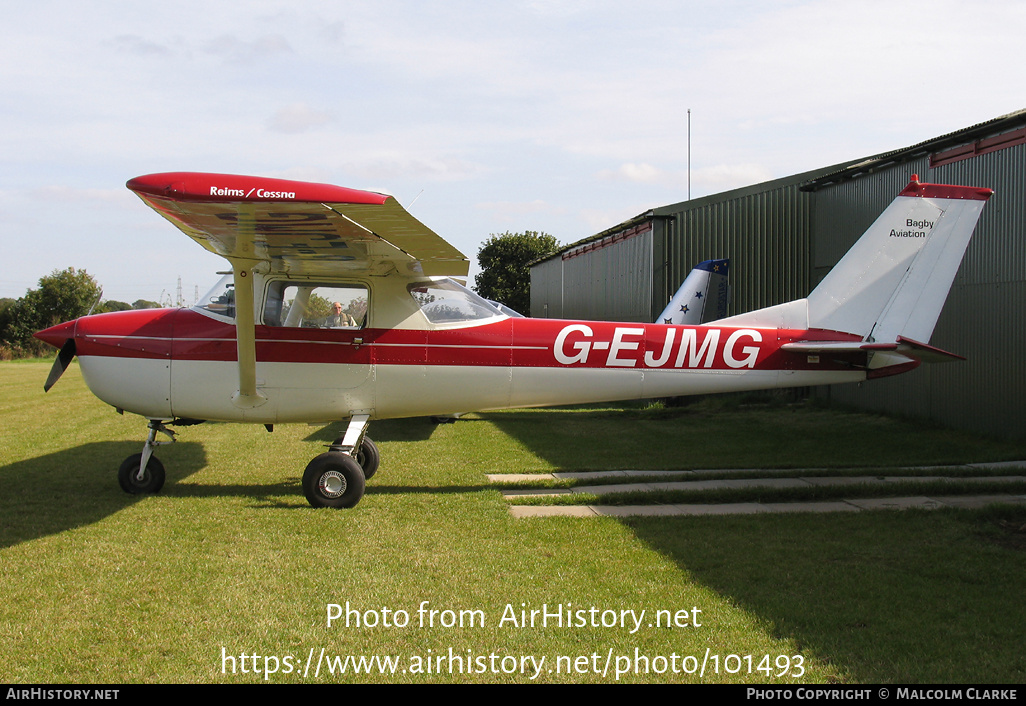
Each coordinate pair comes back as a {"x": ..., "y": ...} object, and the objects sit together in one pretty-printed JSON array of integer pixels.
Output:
[{"x": 783, "y": 236}]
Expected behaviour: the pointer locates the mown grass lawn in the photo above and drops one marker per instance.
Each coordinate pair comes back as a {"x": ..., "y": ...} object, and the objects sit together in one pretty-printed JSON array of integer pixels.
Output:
[{"x": 100, "y": 586}]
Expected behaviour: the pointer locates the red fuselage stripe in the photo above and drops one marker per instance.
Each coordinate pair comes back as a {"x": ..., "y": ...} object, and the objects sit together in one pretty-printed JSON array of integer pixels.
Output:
[{"x": 189, "y": 336}]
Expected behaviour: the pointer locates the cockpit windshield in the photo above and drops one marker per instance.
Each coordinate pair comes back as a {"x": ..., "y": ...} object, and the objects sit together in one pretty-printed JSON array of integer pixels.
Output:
[
  {"x": 220, "y": 300},
  {"x": 445, "y": 301}
]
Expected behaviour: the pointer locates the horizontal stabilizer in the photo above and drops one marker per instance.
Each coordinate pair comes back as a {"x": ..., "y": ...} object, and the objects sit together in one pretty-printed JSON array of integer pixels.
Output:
[
  {"x": 917, "y": 350},
  {"x": 903, "y": 346}
]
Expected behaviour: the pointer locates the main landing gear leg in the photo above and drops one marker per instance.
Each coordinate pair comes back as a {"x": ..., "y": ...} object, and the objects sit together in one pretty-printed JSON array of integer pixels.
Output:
[
  {"x": 357, "y": 444},
  {"x": 338, "y": 477},
  {"x": 143, "y": 472}
]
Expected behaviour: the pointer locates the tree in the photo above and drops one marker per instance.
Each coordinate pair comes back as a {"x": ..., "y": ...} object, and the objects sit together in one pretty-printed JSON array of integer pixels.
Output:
[
  {"x": 63, "y": 295},
  {"x": 109, "y": 305},
  {"x": 505, "y": 276}
]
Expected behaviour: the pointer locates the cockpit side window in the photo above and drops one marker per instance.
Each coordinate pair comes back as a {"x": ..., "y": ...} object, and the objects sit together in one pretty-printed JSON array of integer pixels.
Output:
[{"x": 316, "y": 305}]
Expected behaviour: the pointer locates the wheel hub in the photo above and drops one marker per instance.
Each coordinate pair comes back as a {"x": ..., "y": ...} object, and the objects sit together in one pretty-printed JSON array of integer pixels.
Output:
[{"x": 332, "y": 484}]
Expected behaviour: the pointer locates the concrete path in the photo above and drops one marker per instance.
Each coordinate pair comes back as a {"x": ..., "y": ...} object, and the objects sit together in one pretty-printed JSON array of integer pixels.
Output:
[
  {"x": 854, "y": 505},
  {"x": 679, "y": 482}
]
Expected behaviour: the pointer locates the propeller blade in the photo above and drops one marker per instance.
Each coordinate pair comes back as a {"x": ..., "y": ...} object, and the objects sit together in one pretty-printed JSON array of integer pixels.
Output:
[{"x": 64, "y": 357}]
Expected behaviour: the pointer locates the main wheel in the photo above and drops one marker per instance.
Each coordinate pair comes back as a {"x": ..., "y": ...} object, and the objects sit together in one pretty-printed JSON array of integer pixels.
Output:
[
  {"x": 333, "y": 480},
  {"x": 367, "y": 456},
  {"x": 152, "y": 480}
]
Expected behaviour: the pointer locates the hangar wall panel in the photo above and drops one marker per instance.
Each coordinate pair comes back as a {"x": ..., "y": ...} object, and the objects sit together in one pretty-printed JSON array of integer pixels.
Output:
[
  {"x": 610, "y": 282},
  {"x": 765, "y": 232},
  {"x": 547, "y": 289}
]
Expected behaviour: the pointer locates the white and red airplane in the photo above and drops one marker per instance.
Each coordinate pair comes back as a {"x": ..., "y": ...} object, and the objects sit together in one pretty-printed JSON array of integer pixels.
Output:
[{"x": 340, "y": 307}]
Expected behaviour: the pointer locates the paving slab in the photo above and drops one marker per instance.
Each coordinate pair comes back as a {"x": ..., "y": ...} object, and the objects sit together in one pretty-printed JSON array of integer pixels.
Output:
[
  {"x": 897, "y": 503},
  {"x": 855, "y": 505},
  {"x": 579, "y": 475},
  {"x": 517, "y": 477},
  {"x": 999, "y": 479},
  {"x": 974, "y": 502},
  {"x": 535, "y": 493},
  {"x": 552, "y": 511},
  {"x": 728, "y": 483},
  {"x": 692, "y": 510},
  {"x": 618, "y": 488},
  {"x": 636, "y": 510},
  {"x": 821, "y": 506},
  {"x": 586, "y": 475},
  {"x": 821, "y": 481}
]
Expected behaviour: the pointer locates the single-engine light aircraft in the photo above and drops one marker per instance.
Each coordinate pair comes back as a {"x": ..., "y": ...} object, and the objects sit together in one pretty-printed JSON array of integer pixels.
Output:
[{"x": 340, "y": 306}]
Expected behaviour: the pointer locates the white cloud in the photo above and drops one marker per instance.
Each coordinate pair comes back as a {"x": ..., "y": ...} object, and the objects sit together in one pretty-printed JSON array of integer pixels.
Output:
[
  {"x": 642, "y": 173},
  {"x": 507, "y": 211},
  {"x": 135, "y": 44},
  {"x": 722, "y": 177},
  {"x": 299, "y": 117},
  {"x": 395, "y": 166},
  {"x": 57, "y": 194},
  {"x": 233, "y": 49}
]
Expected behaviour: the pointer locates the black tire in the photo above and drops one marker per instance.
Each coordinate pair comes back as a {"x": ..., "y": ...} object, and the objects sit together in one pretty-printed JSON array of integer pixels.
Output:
[
  {"x": 368, "y": 457},
  {"x": 153, "y": 477},
  {"x": 333, "y": 480}
]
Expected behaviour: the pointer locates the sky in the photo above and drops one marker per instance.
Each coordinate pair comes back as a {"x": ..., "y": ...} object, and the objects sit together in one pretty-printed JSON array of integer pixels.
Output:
[{"x": 479, "y": 116}]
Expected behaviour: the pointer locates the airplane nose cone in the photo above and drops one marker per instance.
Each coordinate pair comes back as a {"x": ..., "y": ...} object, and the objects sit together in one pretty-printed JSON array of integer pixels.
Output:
[{"x": 57, "y": 335}]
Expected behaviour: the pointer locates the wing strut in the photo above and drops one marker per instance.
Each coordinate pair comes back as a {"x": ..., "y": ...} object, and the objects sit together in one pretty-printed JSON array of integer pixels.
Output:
[{"x": 247, "y": 395}]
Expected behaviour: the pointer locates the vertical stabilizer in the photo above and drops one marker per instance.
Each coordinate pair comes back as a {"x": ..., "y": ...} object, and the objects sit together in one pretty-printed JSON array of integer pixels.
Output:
[
  {"x": 894, "y": 280},
  {"x": 703, "y": 296}
]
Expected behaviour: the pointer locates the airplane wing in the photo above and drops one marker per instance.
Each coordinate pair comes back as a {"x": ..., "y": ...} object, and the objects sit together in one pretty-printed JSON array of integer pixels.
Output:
[{"x": 299, "y": 227}]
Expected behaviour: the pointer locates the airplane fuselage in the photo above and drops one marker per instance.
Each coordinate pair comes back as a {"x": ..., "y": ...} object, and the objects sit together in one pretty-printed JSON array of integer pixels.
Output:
[{"x": 180, "y": 363}]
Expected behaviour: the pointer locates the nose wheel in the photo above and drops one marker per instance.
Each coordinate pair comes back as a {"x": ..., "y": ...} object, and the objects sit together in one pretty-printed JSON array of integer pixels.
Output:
[
  {"x": 151, "y": 479},
  {"x": 143, "y": 472}
]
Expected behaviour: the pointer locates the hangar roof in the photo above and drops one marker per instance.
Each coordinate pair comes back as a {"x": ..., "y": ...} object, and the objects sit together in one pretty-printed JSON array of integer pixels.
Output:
[
  {"x": 975, "y": 135},
  {"x": 977, "y": 139}
]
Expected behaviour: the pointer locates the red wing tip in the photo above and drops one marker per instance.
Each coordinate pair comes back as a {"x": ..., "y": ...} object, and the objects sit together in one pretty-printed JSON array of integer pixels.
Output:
[{"x": 207, "y": 187}]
